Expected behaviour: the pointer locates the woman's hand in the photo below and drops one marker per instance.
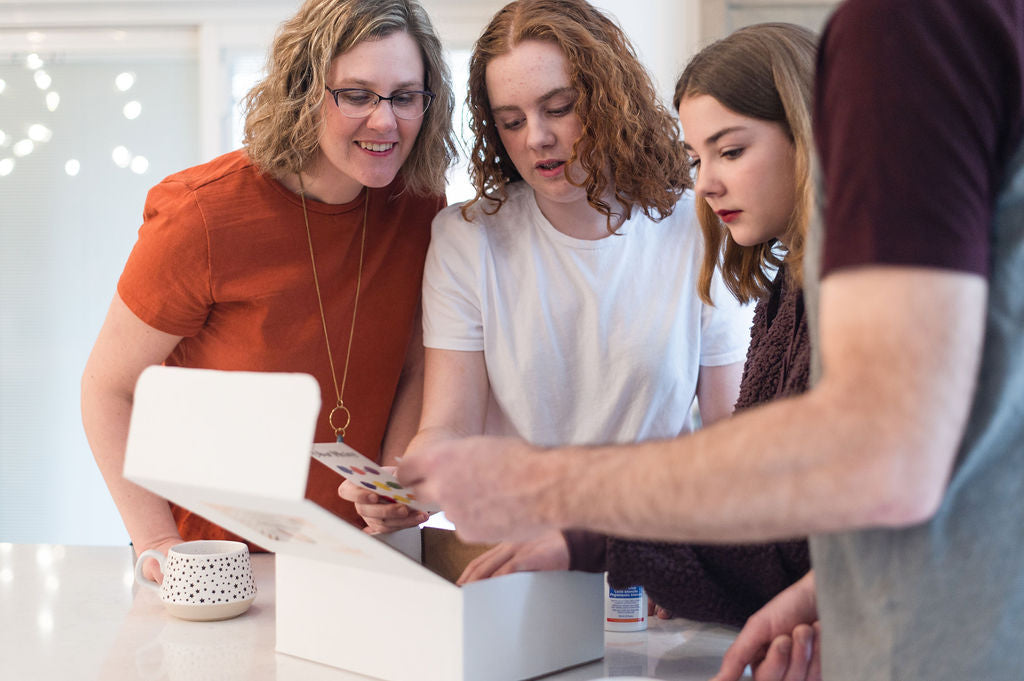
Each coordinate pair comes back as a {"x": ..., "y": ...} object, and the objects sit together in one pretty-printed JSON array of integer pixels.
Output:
[
  {"x": 548, "y": 552},
  {"x": 781, "y": 641},
  {"x": 151, "y": 568},
  {"x": 381, "y": 514},
  {"x": 655, "y": 610}
]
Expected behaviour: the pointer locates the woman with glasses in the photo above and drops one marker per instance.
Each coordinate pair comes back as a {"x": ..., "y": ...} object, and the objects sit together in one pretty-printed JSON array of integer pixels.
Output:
[{"x": 301, "y": 252}]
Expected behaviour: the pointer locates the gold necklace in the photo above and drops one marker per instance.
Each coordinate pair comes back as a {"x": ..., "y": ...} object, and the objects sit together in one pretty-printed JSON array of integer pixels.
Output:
[{"x": 339, "y": 431}]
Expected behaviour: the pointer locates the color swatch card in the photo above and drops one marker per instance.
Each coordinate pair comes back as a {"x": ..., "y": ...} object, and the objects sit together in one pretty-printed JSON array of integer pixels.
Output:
[{"x": 365, "y": 473}]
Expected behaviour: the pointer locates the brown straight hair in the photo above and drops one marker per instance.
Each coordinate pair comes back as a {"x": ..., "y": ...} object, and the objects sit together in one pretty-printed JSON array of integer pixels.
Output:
[{"x": 764, "y": 71}]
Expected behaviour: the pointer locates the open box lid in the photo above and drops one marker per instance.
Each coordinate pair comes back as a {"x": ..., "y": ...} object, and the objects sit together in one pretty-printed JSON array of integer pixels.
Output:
[{"x": 235, "y": 447}]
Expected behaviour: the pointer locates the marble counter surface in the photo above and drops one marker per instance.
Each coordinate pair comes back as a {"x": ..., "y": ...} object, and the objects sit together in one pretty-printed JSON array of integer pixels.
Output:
[{"x": 74, "y": 612}]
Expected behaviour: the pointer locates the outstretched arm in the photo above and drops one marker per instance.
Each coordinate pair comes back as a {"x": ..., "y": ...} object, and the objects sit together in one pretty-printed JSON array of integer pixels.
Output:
[
  {"x": 871, "y": 445},
  {"x": 126, "y": 345}
]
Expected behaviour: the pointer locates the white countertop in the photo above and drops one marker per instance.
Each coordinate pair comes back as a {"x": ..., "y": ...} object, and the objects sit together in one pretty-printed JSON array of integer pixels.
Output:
[{"x": 74, "y": 612}]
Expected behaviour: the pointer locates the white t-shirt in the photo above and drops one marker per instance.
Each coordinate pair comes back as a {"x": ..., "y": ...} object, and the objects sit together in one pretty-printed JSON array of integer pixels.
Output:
[{"x": 585, "y": 342}]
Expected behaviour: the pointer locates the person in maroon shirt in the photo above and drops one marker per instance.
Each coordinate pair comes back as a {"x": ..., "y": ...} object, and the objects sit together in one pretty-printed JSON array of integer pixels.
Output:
[{"x": 920, "y": 160}]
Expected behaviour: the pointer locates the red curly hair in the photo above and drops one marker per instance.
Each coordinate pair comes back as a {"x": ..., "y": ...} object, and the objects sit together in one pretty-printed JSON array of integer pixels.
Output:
[{"x": 625, "y": 128}]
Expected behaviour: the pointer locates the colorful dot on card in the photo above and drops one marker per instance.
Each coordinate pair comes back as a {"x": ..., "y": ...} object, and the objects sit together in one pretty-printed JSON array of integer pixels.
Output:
[
  {"x": 381, "y": 485},
  {"x": 404, "y": 500},
  {"x": 358, "y": 470},
  {"x": 394, "y": 485},
  {"x": 346, "y": 471},
  {"x": 368, "y": 484},
  {"x": 372, "y": 471}
]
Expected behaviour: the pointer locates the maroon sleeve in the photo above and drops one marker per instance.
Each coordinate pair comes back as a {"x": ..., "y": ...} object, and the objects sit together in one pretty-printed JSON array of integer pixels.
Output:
[
  {"x": 915, "y": 120},
  {"x": 586, "y": 550},
  {"x": 722, "y": 583}
]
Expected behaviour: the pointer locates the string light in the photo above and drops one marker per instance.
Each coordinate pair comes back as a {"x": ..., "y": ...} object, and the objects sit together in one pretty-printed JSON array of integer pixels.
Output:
[
  {"x": 124, "y": 81},
  {"x": 42, "y": 79},
  {"x": 38, "y": 132},
  {"x": 23, "y": 147},
  {"x": 121, "y": 156},
  {"x": 132, "y": 110}
]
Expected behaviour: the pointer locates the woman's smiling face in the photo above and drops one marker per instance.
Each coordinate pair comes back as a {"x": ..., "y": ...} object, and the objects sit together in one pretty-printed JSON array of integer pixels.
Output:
[{"x": 368, "y": 152}]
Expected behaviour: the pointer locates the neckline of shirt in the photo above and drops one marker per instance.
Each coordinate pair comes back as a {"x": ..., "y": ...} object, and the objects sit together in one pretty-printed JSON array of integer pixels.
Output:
[
  {"x": 313, "y": 205},
  {"x": 549, "y": 229}
]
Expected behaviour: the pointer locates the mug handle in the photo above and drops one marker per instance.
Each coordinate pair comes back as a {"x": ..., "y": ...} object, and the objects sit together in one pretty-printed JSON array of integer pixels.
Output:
[{"x": 139, "y": 577}]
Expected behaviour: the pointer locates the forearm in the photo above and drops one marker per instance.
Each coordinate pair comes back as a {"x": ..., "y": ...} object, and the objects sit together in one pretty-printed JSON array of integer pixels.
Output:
[
  {"x": 105, "y": 416},
  {"x": 740, "y": 480},
  {"x": 455, "y": 397},
  {"x": 405, "y": 415},
  {"x": 871, "y": 445},
  {"x": 438, "y": 433},
  {"x": 408, "y": 404}
]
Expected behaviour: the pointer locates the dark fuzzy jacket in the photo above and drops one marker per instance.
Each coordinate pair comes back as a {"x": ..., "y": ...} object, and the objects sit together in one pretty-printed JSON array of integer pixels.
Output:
[{"x": 721, "y": 583}]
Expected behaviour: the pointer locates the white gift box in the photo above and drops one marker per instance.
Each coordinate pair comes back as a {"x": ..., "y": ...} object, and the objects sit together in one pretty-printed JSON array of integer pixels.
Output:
[{"x": 235, "y": 447}]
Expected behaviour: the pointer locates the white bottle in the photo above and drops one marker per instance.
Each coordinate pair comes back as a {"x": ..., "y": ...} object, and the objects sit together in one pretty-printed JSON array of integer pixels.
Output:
[{"x": 624, "y": 609}]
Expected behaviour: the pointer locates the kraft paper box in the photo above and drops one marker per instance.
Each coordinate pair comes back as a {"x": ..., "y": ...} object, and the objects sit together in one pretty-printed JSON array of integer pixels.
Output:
[{"x": 235, "y": 448}]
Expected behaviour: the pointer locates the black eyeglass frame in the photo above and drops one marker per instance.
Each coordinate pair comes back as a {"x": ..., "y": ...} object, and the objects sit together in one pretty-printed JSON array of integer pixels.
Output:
[{"x": 381, "y": 98}]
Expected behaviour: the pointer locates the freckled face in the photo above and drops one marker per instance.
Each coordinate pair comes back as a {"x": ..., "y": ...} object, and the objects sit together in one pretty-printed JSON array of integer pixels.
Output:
[
  {"x": 532, "y": 105},
  {"x": 745, "y": 168},
  {"x": 368, "y": 152}
]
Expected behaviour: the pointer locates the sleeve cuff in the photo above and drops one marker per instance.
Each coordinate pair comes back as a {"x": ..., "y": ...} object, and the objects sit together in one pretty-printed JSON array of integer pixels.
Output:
[{"x": 586, "y": 550}]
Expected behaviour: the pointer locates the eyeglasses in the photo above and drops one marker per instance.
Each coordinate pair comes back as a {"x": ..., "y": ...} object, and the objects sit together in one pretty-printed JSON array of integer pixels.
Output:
[{"x": 358, "y": 103}]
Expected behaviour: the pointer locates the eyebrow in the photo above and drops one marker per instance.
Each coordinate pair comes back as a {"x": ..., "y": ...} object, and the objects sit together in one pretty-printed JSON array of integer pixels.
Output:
[
  {"x": 717, "y": 136},
  {"x": 550, "y": 94},
  {"x": 365, "y": 84}
]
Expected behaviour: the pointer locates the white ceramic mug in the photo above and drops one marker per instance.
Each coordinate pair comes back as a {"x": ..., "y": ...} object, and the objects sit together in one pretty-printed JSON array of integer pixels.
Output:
[{"x": 203, "y": 580}]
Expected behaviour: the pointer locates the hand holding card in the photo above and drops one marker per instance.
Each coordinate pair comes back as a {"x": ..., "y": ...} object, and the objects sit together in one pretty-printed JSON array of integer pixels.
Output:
[
  {"x": 381, "y": 514},
  {"x": 365, "y": 473}
]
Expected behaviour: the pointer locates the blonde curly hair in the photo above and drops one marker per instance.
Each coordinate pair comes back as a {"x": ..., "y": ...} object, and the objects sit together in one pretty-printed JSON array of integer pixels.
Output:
[
  {"x": 282, "y": 123},
  {"x": 629, "y": 141},
  {"x": 764, "y": 71}
]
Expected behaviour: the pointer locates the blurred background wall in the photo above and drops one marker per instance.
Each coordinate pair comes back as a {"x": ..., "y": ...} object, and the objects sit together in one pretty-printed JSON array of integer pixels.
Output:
[{"x": 99, "y": 100}]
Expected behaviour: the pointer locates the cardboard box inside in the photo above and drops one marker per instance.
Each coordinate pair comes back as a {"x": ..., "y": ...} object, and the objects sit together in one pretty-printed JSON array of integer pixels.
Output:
[{"x": 445, "y": 554}]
